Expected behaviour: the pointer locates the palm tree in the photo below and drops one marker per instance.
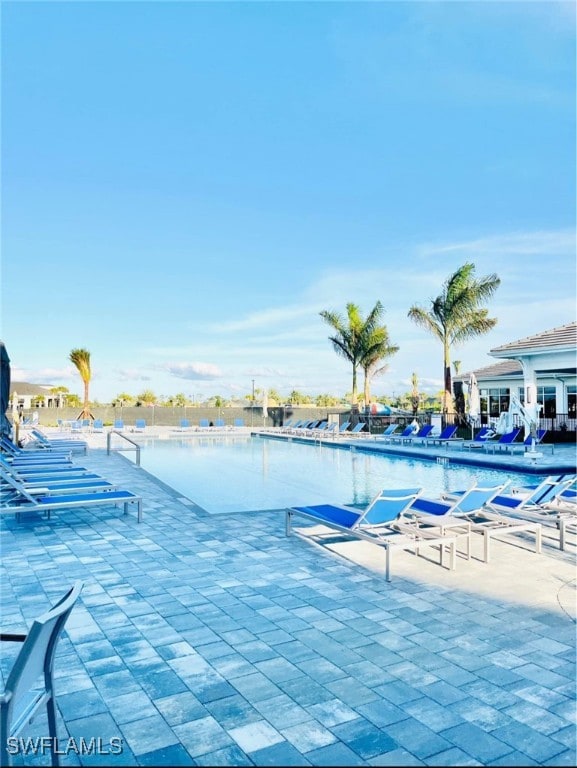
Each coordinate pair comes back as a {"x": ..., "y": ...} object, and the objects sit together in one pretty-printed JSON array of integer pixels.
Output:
[
  {"x": 377, "y": 348},
  {"x": 81, "y": 359},
  {"x": 415, "y": 396},
  {"x": 456, "y": 315},
  {"x": 353, "y": 336}
]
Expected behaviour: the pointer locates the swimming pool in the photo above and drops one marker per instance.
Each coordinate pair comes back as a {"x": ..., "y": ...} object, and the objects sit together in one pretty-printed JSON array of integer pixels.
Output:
[{"x": 244, "y": 473}]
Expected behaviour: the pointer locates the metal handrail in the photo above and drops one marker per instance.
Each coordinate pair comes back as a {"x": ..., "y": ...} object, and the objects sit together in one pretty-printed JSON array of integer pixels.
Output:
[{"x": 132, "y": 442}]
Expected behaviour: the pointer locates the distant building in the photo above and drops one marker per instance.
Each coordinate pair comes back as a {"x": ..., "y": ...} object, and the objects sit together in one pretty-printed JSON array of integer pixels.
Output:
[
  {"x": 41, "y": 395},
  {"x": 544, "y": 364}
]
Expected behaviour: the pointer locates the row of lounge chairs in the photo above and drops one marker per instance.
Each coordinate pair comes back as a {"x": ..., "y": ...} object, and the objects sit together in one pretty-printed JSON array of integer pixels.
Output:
[
  {"x": 424, "y": 435},
  {"x": 318, "y": 428},
  {"x": 408, "y": 519},
  {"x": 485, "y": 440},
  {"x": 44, "y": 479}
]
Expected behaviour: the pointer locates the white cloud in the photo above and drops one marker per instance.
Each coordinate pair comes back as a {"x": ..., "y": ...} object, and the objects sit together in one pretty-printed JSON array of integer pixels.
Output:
[
  {"x": 44, "y": 376},
  {"x": 195, "y": 371},
  {"x": 131, "y": 374}
]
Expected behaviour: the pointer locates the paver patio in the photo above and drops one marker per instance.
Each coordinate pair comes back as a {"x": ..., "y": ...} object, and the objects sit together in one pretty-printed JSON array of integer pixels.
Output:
[{"x": 215, "y": 640}]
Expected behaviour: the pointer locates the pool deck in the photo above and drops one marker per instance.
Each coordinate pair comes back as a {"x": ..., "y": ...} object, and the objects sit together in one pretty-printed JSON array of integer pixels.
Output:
[
  {"x": 216, "y": 640},
  {"x": 548, "y": 459}
]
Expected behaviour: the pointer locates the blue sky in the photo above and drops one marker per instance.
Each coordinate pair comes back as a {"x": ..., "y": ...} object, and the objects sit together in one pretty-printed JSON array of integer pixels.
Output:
[{"x": 185, "y": 186}]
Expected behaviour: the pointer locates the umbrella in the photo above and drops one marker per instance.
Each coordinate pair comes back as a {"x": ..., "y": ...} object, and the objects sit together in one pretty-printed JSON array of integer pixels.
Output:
[
  {"x": 5, "y": 426},
  {"x": 474, "y": 406}
]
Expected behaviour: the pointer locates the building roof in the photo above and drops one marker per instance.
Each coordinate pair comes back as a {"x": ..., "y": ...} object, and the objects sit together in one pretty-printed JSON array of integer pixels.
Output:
[
  {"x": 562, "y": 337},
  {"x": 505, "y": 368},
  {"x": 24, "y": 388}
]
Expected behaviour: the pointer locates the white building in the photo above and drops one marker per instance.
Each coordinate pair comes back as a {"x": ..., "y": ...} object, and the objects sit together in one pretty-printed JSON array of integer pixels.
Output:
[
  {"x": 542, "y": 366},
  {"x": 25, "y": 396}
]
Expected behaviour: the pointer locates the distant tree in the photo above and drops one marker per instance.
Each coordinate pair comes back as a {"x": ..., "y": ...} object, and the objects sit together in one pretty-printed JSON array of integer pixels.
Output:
[
  {"x": 295, "y": 397},
  {"x": 81, "y": 359},
  {"x": 62, "y": 393},
  {"x": 146, "y": 398},
  {"x": 456, "y": 315},
  {"x": 273, "y": 397},
  {"x": 123, "y": 399},
  {"x": 73, "y": 401},
  {"x": 326, "y": 401}
]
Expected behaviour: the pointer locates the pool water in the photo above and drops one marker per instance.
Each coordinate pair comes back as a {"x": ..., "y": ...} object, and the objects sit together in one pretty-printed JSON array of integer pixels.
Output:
[{"x": 243, "y": 473}]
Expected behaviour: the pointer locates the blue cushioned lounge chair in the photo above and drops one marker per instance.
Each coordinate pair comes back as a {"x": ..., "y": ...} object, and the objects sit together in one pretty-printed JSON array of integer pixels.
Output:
[
  {"x": 391, "y": 429},
  {"x": 484, "y": 434},
  {"x": 536, "y": 506},
  {"x": 59, "y": 443},
  {"x": 381, "y": 523},
  {"x": 529, "y": 442},
  {"x": 344, "y": 427},
  {"x": 446, "y": 437},
  {"x": 394, "y": 438},
  {"x": 356, "y": 430},
  {"x": 423, "y": 432},
  {"x": 505, "y": 440},
  {"x": 10, "y": 483},
  {"x": 24, "y": 501},
  {"x": 472, "y": 508}
]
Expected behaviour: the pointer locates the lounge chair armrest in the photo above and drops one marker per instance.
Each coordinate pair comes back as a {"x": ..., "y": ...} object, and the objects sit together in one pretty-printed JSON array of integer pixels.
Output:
[{"x": 12, "y": 637}]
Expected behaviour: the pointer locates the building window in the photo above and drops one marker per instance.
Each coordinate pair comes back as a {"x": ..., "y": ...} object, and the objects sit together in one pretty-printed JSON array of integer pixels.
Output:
[
  {"x": 495, "y": 401},
  {"x": 547, "y": 396},
  {"x": 572, "y": 401}
]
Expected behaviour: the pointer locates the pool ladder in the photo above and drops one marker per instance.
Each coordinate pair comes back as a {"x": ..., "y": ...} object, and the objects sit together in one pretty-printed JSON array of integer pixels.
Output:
[{"x": 120, "y": 434}]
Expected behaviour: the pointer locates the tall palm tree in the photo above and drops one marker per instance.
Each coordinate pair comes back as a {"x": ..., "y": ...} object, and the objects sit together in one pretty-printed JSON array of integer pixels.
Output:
[
  {"x": 456, "y": 315},
  {"x": 81, "y": 359},
  {"x": 377, "y": 347},
  {"x": 351, "y": 338}
]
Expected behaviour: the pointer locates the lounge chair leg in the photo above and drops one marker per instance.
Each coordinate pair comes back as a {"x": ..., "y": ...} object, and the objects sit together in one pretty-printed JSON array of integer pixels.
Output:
[
  {"x": 562, "y": 534},
  {"x": 288, "y": 522},
  {"x": 387, "y": 563},
  {"x": 52, "y": 730},
  {"x": 453, "y": 552},
  {"x": 139, "y": 513},
  {"x": 486, "y": 544}
]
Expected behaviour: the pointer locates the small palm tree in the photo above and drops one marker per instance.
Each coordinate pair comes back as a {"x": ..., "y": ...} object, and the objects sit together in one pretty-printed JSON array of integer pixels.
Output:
[
  {"x": 81, "y": 359},
  {"x": 456, "y": 315},
  {"x": 415, "y": 396}
]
